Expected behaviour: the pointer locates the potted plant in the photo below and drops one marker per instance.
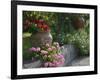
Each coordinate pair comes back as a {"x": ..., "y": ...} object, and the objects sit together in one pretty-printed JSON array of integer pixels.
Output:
[
  {"x": 49, "y": 55},
  {"x": 78, "y": 22},
  {"x": 40, "y": 32}
]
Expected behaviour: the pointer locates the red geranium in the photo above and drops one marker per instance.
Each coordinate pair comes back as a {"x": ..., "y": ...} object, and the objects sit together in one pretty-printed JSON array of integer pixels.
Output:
[
  {"x": 46, "y": 27},
  {"x": 42, "y": 25},
  {"x": 38, "y": 21}
]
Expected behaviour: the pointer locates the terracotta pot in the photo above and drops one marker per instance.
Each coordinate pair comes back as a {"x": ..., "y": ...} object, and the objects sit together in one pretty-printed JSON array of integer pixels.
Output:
[
  {"x": 41, "y": 38},
  {"x": 78, "y": 22}
]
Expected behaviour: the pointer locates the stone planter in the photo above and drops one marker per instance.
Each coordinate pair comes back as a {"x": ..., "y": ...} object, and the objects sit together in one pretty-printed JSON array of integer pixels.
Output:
[
  {"x": 41, "y": 38},
  {"x": 70, "y": 52}
]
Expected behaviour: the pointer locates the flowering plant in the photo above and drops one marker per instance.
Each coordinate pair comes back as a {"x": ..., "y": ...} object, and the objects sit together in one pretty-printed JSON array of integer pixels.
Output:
[
  {"x": 37, "y": 26},
  {"x": 80, "y": 39},
  {"x": 50, "y": 54}
]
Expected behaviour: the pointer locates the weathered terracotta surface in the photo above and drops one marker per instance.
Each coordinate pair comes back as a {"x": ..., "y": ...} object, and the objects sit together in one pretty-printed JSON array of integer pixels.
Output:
[
  {"x": 78, "y": 22},
  {"x": 41, "y": 38}
]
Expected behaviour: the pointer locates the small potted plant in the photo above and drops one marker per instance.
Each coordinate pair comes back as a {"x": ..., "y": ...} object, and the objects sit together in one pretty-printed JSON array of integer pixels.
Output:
[
  {"x": 78, "y": 22},
  {"x": 49, "y": 55},
  {"x": 40, "y": 32}
]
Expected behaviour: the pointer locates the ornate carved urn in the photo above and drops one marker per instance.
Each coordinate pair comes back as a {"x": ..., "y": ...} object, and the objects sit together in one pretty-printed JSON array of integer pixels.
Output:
[{"x": 41, "y": 38}]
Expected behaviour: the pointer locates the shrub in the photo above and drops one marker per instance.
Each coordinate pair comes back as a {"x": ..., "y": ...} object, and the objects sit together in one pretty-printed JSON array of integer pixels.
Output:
[{"x": 80, "y": 39}]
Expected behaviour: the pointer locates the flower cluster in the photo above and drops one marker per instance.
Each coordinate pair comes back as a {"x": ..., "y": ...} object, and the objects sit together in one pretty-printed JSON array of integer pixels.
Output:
[
  {"x": 37, "y": 26},
  {"x": 80, "y": 39},
  {"x": 58, "y": 60},
  {"x": 50, "y": 54}
]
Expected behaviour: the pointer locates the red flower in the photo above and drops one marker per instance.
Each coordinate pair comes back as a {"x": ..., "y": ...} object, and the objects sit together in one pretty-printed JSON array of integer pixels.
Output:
[
  {"x": 41, "y": 21},
  {"x": 38, "y": 21},
  {"x": 34, "y": 21},
  {"x": 45, "y": 27},
  {"x": 41, "y": 25}
]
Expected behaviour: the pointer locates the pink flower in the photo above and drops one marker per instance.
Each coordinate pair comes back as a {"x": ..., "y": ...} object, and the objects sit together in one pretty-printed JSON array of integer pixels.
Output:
[
  {"x": 56, "y": 43},
  {"x": 38, "y": 48},
  {"x": 58, "y": 63},
  {"x": 32, "y": 49},
  {"x": 49, "y": 56},
  {"x": 45, "y": 56},
  {"x": 53, "y": 48},
  {"x": 63, "y": 60},
  {"x": 60, "y": 56},
  {"x": 44, "y": 52},
  {"x": 55, "y": 63},
  {"x": 50, "y": 64},
  {"x": 47, "y": 45},
  {"x": 55, "y": 55},
  {"x": 58, "y": 47},
  {"x": 49, "y": 49}
]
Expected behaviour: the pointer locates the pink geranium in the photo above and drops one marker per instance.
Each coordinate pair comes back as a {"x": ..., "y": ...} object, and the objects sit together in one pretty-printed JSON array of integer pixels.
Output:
[
  {"x": 33, "y": 49},
  {"x": 44, "y": 52},
  {"x": 50, "y": 64},
  {"x": 50, "y": 54},
  {"x": 38, "y": 48},
  {"x": 56, "y": 43},
  {"x": 53, "y": 48},
  {"x": 49, "y": 49},
  {"x": 47, "y": 45}
]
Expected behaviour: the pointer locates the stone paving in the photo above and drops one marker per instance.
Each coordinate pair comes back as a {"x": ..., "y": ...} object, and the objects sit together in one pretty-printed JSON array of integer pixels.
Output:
[{"x": 80, "y": 61}]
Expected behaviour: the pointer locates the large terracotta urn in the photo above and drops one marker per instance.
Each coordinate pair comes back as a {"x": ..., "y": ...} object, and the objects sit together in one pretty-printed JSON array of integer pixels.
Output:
[
  {"x": 78, "y": 22},
  {"x": 41, "y": 38}
]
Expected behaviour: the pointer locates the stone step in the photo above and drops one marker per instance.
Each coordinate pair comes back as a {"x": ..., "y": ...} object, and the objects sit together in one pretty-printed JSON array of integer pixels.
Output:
[{"x": 70, "y": 52}]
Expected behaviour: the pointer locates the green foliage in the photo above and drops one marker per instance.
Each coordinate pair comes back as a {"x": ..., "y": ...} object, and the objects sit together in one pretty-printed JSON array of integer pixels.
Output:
[
  {"x": 33, "y": 29},
  {"x": 80, "y": 39},
  {"x": 26, "y": 46}
]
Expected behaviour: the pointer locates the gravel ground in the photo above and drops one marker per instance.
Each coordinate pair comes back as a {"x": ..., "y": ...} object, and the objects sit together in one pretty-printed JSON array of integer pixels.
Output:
[{"x": 80, "y": 61}]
